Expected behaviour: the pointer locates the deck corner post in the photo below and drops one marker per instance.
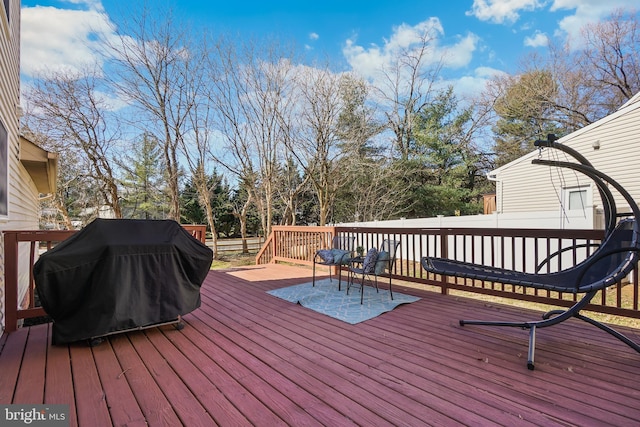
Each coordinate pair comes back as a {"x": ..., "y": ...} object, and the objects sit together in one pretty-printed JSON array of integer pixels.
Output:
[{"x": 11, "y": 280}]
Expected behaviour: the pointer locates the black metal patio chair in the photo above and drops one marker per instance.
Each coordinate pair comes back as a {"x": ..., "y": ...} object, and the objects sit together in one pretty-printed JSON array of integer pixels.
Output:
[
  {"x": 338, "y": 255},
  {"x": 384, "y": 260},
  {"x": 615, "y": 257}
]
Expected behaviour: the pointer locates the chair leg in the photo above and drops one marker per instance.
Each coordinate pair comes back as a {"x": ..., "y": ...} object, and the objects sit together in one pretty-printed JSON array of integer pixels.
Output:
[
  {"x": 532, "y": 348},
  {"x": 547, "y": 320},
  {"x": 313, "y": 282},
  {"x": 610, "y": 330}
]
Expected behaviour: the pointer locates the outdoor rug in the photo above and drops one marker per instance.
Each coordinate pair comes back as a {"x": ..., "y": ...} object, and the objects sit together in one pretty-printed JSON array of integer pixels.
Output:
[{"x": 326, "y": 299}]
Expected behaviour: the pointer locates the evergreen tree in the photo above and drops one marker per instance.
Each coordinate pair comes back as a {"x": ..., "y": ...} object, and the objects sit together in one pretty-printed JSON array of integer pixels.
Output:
[
  {"x": 192, "y": 212},
  {"x": 525, "y": 114},
  {"x": 143, "y": 180},
  {"x": 444, "y": 159}
]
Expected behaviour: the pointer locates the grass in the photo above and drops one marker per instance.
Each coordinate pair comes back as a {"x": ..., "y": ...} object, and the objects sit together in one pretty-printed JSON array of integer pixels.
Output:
[{"x": 233, "y": 260}]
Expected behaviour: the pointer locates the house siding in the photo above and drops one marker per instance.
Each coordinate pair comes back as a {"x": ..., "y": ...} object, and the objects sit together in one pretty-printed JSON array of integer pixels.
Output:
[
  {"x": 22, "y": 194},
  {"x": 523, "y": 187}
]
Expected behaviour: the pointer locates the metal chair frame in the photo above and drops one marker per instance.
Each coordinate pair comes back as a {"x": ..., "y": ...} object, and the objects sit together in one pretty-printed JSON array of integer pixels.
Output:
[
  {"x": 337, "y": 242},
  {"x": 389, "y": 246}
]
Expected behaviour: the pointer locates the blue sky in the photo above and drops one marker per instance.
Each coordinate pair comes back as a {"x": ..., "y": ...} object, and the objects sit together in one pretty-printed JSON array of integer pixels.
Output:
[{"x": 481, "y": 37}]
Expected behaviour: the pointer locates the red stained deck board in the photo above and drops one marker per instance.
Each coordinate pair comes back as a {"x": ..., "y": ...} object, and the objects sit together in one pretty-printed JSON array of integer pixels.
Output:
[
  {"x": 327, "y": 351},
  {"x": 329, "y": 408},
  {"x": 207, "y": 357},
  {"x": 188, "y": 409},
  {"x": 122, "y": 403},
  {"x": 246, "y": 357},
  {"x": 322, "y": 360},
  {"x": 91, "y": 404},
  {"x": 153, "y": 403},
  {"x": 59, "y": 383},
  {"x": 204, "y": 389},
  {"x": 533, "y": 389},
  {"x": 10, "y": 363},
  {"x": 250, "y": 373},
  {"x": 497, "y": 352},
  {"x": 499, "y": 378},
  {"x": 30, "y": 387}
]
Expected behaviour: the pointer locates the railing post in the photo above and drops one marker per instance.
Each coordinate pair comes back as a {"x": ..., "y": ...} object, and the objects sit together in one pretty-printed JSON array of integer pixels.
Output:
[
  {"x": 444, "y": 253},
  {"x": 332, "y": 233},
  {"x": 274, "y": 244},
  {"x": 11, "y": 281}
]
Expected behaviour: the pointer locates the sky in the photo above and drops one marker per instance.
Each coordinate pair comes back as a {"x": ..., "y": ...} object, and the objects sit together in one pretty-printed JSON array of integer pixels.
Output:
[{"x": 479, "y": 37}]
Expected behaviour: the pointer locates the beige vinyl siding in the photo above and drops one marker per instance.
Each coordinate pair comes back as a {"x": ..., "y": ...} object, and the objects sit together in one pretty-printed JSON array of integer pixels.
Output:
[
  {"x": 23, "y": 208},
  {"x": 22, "y": 195},
  {"x": 530, "y": 188},
  {"x": 524, "y": 187}
]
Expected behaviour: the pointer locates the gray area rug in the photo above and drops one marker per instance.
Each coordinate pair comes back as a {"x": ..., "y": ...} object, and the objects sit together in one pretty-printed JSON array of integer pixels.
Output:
[{"x": 326, "y": 299}]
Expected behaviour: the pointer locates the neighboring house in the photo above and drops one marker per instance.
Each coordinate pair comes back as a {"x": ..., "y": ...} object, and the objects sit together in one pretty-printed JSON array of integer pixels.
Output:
[
  {"x": 536, "y": 196},
  {"x": 612, "y": 145},
  {"x": 26, "y": 170}
]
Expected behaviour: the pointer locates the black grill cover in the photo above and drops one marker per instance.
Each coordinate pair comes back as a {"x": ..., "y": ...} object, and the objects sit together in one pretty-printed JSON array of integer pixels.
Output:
[{"x": 116, "y": 275}]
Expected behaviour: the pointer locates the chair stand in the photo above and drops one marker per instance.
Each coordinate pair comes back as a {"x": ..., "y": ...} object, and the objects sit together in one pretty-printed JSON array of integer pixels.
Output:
[
  {"x": 342, "y": 242},
  {"x": 389, "y": 247},
  {"x": 375, "y": 280},
  {"x": 330, "y": 275},
  {"x": 554, "y": 317},
  {"x": 350, "y": 284}
]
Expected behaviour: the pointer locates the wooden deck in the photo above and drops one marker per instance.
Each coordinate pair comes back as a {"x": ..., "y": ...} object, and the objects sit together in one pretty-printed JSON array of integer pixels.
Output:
[{"x": 247, "y": 358}]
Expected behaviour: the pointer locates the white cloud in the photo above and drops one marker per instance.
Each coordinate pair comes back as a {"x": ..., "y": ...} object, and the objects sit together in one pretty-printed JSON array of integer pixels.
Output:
[
  {"x": 469, "y": 86},
  {"x": 89, "y": 4},
  {"x": 55, "y": 39},
  {"x": 460, "y": 54},
  {"x": 587, "y": 11},
  {"x": 314, "y": 36},
  {"x": 499, "y": 11},
  {"x": 537, "y": 40},
  {"x": 369, "y": 61}
]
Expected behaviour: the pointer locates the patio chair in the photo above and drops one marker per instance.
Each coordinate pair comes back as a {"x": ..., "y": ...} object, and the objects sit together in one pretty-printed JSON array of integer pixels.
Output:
[
  {"x": 373, "y": 265},
  {"x": 615, "y": 257},
  {"x": 338, "y": 255}
]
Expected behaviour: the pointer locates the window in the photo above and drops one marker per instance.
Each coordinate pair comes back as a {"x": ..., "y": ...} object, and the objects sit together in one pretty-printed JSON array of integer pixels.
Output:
[
  {"x": 4, "y": 187},
  {"x": 576, "y": 198}
]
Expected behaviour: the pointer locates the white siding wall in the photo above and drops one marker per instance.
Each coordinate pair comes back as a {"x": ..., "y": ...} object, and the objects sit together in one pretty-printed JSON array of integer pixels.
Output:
[
  {"x": 523, "y": 187},
  {"x": 23, "y": 208}
]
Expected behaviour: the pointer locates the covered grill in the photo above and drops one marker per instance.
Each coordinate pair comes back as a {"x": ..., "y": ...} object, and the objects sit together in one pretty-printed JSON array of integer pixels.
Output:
[{"x": 118, "y": 275}]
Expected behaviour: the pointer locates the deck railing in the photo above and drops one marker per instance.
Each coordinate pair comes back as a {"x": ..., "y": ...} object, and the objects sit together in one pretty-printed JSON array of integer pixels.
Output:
[
  {"x": 518, "y": 249},
  {"x": 507, "y": 248},
  {"x": 29, "y": 243}
]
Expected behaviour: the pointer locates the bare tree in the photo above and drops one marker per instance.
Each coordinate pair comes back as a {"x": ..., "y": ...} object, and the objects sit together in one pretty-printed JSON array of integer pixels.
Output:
[
  {"x": 611, "y": 57},
  {"x": 576, "y": 84},
  {"x": 313, "y": 137},
  {"x": 406, "y": 85},
  {"x": 152, "y": 67},
  {"x": 197, "y": 151},
  {"x": 241, "y": 203},
  {"x": 71, "y": 110},
  {"x": 251, "y": 85},
  {"x": 291, "y": 186}
]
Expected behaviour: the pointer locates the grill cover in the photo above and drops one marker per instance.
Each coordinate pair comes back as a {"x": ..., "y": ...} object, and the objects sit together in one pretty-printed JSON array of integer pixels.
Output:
[{"x": 116, "y": 275}]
